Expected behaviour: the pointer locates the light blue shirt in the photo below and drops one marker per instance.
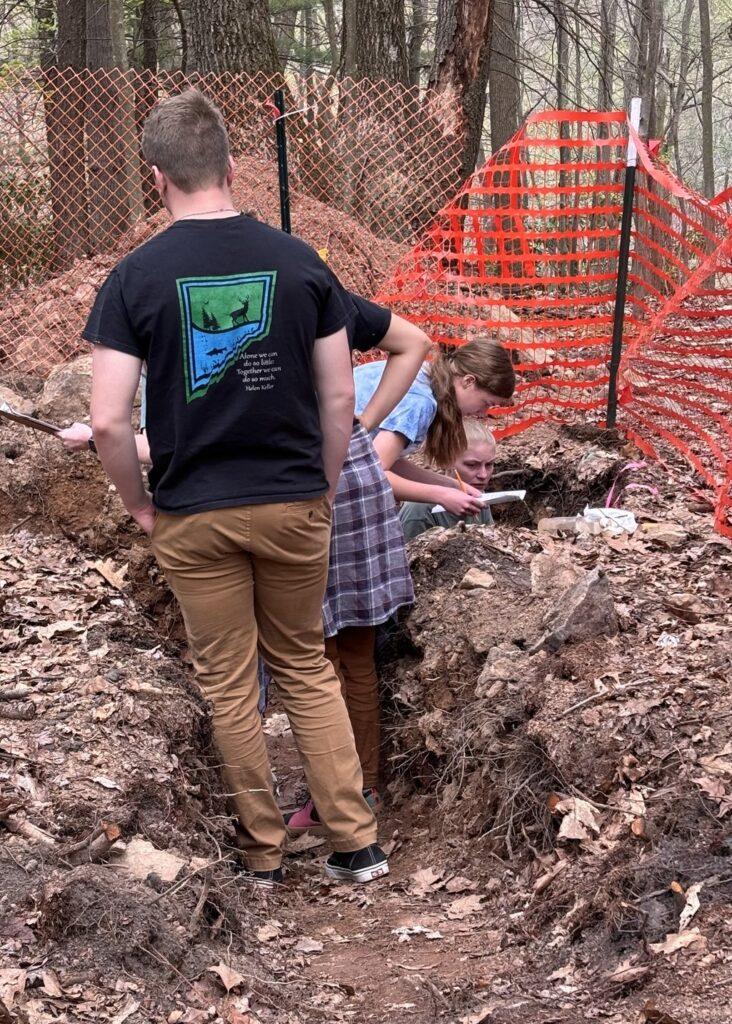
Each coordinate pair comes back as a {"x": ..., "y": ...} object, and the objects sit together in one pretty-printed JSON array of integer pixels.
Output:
[{"x": 413, "y": 416}]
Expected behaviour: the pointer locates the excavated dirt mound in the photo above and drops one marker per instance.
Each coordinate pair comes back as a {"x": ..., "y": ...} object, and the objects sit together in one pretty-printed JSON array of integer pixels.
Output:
[
  {"x": 564, "y": 707},
  {"x": 41, "y": 325}
]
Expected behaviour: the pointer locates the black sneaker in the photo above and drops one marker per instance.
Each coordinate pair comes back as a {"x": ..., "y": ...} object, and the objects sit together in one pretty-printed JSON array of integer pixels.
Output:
[
  {"x": 263, "y": 879},
  {"x": 360, "y": 866}
]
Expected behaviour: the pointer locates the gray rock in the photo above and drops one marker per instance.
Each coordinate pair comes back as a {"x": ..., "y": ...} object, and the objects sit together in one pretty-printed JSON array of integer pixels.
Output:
[
  {"x": 505, "y": 663},
  {"x": 583, "y": 611},
  {"x": 16, "y": 402},
  {"x": 67, "y": 392},
  {"x": 553, "y": 571}
]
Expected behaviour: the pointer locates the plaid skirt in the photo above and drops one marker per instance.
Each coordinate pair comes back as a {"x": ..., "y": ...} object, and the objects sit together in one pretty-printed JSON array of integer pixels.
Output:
[{"x": 368, "y": 575}]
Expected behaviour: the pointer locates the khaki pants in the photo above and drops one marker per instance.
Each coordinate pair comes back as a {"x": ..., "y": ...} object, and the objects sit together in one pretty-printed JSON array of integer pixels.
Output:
[
  {"x": 352, "y": 654},
  {"x": 253, "y": 575}
]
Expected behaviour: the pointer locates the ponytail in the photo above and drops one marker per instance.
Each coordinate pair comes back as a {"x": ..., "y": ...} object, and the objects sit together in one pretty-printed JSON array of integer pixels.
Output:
[
  {"x": 492, "y": 368},
  {"x": 446, "y": 437}
]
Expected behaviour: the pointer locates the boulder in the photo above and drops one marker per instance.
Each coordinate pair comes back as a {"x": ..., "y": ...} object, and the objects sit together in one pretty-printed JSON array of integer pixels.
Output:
[
  {"x": 67, "y": 392},
  {"x": 583, "y": 611},
  {"x": 16, "y": 402},
  {"x": 553, "y": 571}
]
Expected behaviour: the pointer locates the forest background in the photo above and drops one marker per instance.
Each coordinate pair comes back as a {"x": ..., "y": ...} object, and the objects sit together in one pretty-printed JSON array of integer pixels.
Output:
[{"x": 503, "y": 59}]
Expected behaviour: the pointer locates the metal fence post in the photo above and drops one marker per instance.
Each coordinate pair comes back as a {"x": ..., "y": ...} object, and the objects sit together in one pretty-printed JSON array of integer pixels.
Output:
[
  {"x": 621, "y": 285},
  {"x": 284, "y": 176}
]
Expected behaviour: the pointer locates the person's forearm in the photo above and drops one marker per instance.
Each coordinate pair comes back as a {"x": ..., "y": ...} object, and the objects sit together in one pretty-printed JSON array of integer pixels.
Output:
[
  {"x": 412, "y": 490},
  {"x": 397, "y": 378},
  {"x": 118, "y": 454},
  {"x": 411, "y": 471},
  {"x": 336, "y": 424}
]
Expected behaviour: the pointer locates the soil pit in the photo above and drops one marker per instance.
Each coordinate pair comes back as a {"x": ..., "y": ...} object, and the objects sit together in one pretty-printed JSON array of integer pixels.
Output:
[{"x": 557, "y": 799}]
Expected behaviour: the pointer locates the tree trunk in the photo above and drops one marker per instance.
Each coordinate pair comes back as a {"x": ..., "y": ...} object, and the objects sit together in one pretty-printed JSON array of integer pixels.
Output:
[
  {"x": 504, "y": 85},
  {"x": 71, "y": 34},
  {"x": 578, "y": 95},
  {"x": 678, "y": 94},
  {"x": 460, "y": 68},
  {"x": 504, "y": 99},
  {"x": 187, "y": 53},
  {"x": 706, "y": 99},
  {"x": 64, "y": 103},
  {"x": 637, "y": 48},
  {"x": 375, "y": 40},
  {"x": 145, "y": 87},
  {"x": 149, "y": 32},
  {"x": 308, "y": 47},
  {"x": 233, "y": 35},
  {"x": 662, "y": 91},
  {"x": 652, "y": 13},
  {"x": 416, "y": 40},
  {"x": 608, "y": 27},
  {"x": 113, "y": 162},
  {"x": 562, "y": 88},
  {"x": 562, "y": 68},
  {"x": 44, "y": 13},
  {"x": 105, "y": 42},
  {"x": 333, "y": 33}
]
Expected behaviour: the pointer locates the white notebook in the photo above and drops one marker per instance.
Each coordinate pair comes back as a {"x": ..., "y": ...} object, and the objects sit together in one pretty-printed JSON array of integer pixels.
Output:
[{"x": 493, "y": 498}]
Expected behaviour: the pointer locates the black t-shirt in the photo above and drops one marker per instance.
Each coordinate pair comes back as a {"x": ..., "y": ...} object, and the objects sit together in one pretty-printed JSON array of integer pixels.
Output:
[
  {"x": 225, "y": 313},
  {"x": 367, "y": 324}
]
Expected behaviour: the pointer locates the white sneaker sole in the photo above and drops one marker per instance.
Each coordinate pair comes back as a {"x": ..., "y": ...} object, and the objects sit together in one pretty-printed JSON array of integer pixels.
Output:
[{"x": 369, "y": 874}]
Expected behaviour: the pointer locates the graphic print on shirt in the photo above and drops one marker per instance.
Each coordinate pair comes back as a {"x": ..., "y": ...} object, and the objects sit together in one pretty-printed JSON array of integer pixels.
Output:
[{"x": 220, "y": 318}]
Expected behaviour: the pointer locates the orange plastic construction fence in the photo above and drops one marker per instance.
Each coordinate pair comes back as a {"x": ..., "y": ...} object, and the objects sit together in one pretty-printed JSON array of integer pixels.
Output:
[{"x": 528, "y": 250}]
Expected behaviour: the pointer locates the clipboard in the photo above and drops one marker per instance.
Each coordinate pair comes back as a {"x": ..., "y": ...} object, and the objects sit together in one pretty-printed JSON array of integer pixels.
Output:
[
  {"x": 27, "y": 421},
  {"x": 493, "y": 498}
]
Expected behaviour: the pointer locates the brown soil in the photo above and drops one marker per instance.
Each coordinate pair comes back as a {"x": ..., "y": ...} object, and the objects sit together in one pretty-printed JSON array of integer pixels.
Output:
[{"x": 550, "y": 816}]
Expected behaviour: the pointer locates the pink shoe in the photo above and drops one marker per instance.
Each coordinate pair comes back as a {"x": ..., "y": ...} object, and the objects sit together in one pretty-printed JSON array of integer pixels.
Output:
[{"x": 304, "y": 819}]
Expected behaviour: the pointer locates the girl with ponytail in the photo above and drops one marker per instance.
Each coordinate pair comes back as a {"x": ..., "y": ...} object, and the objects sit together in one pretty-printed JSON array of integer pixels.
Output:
[{"x": 466, "y": 380}]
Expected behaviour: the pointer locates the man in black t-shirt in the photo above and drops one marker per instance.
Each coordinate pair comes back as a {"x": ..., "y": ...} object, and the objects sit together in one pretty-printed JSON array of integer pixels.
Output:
[{"x": 250, "y": 408}]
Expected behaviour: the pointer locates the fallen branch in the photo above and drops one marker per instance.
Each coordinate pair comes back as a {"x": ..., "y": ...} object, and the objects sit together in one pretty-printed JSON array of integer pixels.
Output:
[
  {"x": 198, "y": 909},
  {"x": 95, "y": 847},
  {"x": 604, "y": 694},
  {"x": 24, "y": 712},
  {"x": 26, "y": 829}
]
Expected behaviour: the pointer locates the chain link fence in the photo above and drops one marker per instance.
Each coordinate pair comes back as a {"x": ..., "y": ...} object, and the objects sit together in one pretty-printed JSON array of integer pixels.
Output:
[{"x": 370, "y": 165}]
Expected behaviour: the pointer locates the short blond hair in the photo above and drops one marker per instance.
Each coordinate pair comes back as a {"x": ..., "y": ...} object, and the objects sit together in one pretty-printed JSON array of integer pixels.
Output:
[
  {"x": 477, "y": 431},
  {"x": 186, "y": 138}
]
